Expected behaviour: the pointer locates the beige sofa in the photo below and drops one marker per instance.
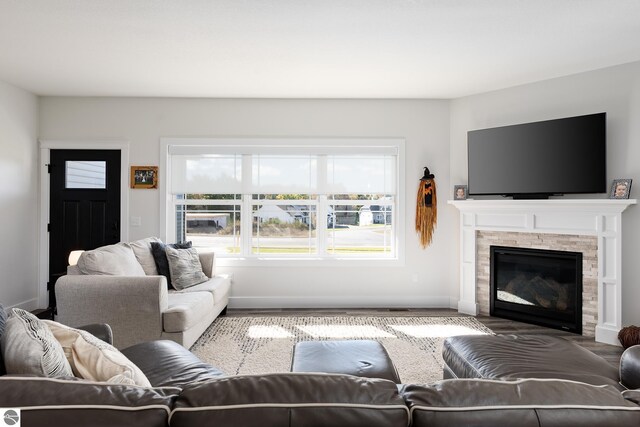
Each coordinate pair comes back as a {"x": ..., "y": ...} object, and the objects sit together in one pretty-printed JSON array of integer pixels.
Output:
[{"x": 136, "y": 302}]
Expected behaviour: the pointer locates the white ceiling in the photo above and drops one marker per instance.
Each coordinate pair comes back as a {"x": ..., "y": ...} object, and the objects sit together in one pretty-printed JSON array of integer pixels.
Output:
[{"x": 307, "y": 48}]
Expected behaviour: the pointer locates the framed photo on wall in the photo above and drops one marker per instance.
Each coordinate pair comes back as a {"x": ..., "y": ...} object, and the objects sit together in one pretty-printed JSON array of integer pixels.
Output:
[
  {"x": 144, "y": 177},
  {"x": 459, "y": 192},
  {"x": 620, "y": 188}
]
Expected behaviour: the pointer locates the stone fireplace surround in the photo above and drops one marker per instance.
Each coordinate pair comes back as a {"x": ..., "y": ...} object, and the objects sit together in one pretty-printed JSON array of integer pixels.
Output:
[
  {"x": 559, "y": 224},
  {"x": 587, "y": 245}
]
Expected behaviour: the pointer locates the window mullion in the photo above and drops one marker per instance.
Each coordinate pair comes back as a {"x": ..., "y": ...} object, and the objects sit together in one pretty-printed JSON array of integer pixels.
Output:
[
  {"x": 321, "y": 221},
  {"x": 246, "y": 225},
  {"x": 246, "y": 212},
  {"x": 322, "y": 209}
]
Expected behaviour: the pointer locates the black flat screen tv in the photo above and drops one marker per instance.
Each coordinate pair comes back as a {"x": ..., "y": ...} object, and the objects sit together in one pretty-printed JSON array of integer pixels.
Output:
[{"x": 540, "y": 159}]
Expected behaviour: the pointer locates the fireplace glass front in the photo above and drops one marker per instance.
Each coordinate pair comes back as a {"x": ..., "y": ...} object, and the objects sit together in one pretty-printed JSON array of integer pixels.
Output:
[{"x": 542, "y": 287}]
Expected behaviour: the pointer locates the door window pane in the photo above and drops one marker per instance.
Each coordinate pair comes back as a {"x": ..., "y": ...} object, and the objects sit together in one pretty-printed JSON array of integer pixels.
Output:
[{"x": 85, "y": 174}]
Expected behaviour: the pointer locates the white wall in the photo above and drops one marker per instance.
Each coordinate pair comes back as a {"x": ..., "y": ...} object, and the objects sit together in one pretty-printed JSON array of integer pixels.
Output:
[
  {"x": 18, "y": 197},
  {"x": 614, "y": 90},
  {"x": 423, "y": 124}
]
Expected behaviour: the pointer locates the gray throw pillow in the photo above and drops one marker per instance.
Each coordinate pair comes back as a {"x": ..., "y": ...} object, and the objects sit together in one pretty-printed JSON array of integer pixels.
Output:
[
  {"x": 160, "y": 257},
  {"x": 3, "y": 322},
  {"x": 185, "y": 267},
  {"x": 29, "y": 347}
]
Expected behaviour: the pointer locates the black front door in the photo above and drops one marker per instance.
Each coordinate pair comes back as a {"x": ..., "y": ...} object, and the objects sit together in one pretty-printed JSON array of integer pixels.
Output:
[{"x": 84, "y": 204}]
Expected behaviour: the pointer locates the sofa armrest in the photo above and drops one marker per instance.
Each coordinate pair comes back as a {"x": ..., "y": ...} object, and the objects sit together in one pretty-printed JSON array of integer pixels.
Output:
[
  {"x": 630, "y": 368},
  {"x": 132, "y": 306},
  {"x": 208, "y": 261},
  {"x": 99, "y": 330},
  {"x": 168, "y": 364}
]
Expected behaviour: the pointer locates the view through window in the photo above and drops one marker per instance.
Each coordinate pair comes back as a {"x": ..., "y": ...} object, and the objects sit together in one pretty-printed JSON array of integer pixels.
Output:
[{"x": 313, "y": 205}]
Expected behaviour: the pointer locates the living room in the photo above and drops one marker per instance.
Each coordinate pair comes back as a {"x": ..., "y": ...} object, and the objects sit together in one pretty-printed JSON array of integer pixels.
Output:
[
  {"x": 435, "y": 136},
  {"x": 523, "y": 85}
]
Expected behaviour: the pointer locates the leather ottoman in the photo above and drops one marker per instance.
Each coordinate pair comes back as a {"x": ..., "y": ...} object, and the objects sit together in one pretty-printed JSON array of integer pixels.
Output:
[
  {"x": 363, "y": 358},
  {"x": 511, "y": 357}
]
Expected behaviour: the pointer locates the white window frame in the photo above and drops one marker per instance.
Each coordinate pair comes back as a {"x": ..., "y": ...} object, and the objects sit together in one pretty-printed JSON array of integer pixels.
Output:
[{"x": 341, "y": 145}]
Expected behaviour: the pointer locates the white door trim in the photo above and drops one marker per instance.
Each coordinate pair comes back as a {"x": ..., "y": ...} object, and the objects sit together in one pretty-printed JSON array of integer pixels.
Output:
[{"x": 46, "y": 145}]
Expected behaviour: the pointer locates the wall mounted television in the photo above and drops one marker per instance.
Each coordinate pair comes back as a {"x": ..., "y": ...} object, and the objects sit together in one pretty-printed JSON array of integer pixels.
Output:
[{"x": 540, "y": 159}]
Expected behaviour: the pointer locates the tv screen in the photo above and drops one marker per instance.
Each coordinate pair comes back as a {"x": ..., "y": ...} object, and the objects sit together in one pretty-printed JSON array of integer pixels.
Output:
[{"x": 532, "y": 160}]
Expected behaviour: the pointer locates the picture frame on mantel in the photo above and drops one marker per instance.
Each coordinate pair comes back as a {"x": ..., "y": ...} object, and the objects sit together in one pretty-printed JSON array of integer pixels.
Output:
[
  {"x": 459, "y": 192},
  {"x": 620, "y": 188},
  {"x": 145, "y": 177}
]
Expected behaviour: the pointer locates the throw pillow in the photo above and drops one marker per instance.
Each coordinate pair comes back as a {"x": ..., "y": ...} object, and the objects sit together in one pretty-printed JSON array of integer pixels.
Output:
[
  {"x": 29, "y": 347},
  {"x": 185, "y": 267},
  {"x": 160, "y": 257},
  {"x": 112, "y": 260},
  {"x": 3, "y": 322},
  {"x": 95, "y": 360},
  {"x": 142, "y": 251}
]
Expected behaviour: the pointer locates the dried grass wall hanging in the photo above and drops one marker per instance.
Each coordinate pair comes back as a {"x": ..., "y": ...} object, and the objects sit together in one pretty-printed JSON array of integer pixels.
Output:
[{"x": 426, "y": 208}]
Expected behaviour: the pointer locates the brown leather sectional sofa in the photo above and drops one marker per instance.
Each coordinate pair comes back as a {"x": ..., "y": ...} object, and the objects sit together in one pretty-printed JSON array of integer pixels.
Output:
[{"x": 188, "y": 392}]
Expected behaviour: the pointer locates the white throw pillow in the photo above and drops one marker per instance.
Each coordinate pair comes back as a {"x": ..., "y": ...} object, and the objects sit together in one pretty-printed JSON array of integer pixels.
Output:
[
  {"x": 142, "y": 251},
  {"x": 29, "y": 347},
  {"x": 94, "y": 359},
  {"x": 185, "y": 267},
  {"x": 111, "y": 260}
]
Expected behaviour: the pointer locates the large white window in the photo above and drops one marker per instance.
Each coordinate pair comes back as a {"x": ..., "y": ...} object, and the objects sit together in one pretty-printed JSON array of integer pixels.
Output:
[{"x": 265, "y": 199}]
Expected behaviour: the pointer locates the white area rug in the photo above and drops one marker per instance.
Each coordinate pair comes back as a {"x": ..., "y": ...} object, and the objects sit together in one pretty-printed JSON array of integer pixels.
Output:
[{"x": 258, "y": 345}]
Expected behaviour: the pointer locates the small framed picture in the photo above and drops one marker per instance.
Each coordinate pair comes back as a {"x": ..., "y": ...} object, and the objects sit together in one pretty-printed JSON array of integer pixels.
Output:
[
  {"x": 620, "y": 188},
  {"x": 459, "y": 192},
  {"x": 144, "y": 177}
]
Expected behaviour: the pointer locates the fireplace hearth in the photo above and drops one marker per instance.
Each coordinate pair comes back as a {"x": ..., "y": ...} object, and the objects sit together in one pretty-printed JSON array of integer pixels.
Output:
[{"x": 542, "y": 287}]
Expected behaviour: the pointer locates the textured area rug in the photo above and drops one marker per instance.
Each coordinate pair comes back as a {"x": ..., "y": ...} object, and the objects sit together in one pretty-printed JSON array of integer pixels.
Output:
[{"x": 259, "y": 345}]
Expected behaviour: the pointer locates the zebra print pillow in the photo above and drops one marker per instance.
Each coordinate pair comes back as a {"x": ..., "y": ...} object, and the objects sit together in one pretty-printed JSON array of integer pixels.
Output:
[{"x": 29, "y": 347}]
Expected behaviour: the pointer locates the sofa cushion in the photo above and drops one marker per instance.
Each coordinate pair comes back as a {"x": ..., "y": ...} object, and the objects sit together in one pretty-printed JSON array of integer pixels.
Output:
[
  {"x": 160, "y": 257},
  {"x": 510, "y": 357},
  {"x": 185, "y": 267},
  {"x": 142, "y": 251},
  {"x": 526, "y": 403},
  {"x": 632, "y": 396},
  {"x": 72, "y": 402},
  {"x": 29, "y": 347},
  {"x": 185, "y": 310},
  {"x": 3, "y": 322},
  {"x": 218, "y": 286},
  {"x": 111, "y": 260},
  {"x": 94, "y": 359},
  {"x": 167, "y": 363},
  {"x": 291, "y": 399}
]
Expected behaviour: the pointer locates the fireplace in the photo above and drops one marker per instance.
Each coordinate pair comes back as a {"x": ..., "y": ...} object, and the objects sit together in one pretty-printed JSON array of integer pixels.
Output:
[{"x": 542, "y": 287}]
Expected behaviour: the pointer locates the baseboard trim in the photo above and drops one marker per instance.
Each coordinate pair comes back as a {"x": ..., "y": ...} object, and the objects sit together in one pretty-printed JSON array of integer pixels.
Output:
[
  {"x": 467, "y": 307},
  {"x": 607, "y": 335},
  {"x": 340, "y": 302}
]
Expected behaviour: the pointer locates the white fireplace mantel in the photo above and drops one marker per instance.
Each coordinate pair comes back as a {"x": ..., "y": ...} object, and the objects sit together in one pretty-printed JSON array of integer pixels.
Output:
[{"x": 592, "y": 217}]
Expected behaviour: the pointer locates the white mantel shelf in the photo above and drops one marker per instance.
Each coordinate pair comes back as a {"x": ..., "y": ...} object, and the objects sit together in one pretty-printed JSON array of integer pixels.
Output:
[{"x": 593, "y": 217}]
